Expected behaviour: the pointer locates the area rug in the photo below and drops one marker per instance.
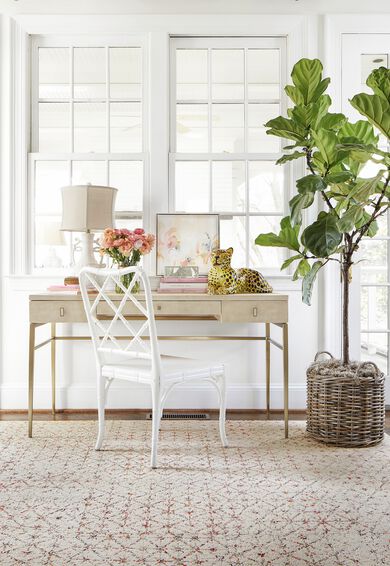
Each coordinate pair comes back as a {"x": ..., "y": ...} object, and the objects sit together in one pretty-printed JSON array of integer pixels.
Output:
[{"x": 264, "y": 500}]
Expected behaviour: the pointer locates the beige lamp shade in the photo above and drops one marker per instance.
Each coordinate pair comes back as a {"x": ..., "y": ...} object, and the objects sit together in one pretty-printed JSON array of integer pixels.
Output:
[{"x": 87, "y": 208}]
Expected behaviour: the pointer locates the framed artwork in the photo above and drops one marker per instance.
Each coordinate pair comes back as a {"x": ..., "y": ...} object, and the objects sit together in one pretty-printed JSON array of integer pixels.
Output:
[{"x": 186, "y": 240}]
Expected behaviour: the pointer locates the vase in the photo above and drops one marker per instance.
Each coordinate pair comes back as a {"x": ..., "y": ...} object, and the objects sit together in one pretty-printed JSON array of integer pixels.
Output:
[{"x": 126, "y": 280}]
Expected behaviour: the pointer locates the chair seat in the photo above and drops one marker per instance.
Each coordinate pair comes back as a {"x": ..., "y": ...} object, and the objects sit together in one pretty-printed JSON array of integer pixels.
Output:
[{"x": 173, "y": 368}]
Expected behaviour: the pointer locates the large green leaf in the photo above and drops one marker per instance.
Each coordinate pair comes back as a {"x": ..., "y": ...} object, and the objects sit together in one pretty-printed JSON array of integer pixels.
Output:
[
  {"x": 287, "y": 237},
  {"x": 375, "y": 108},
  {"x": 285, "y": 128},
  {"x": 290, "y": 157},
  {"x": 362, "y": 131},
  {"x": 298, "y": 203},
  {"x": 364, "y": 188},
  {"x": 331, "y": 121},
  {"x": 322, "y": 237},
  {"x": 337, "y": 178},
  {"x": 294, "y": 93},
  {"x": 289, "y": 261},
  {"x": 349, "y": 219},
  {"x": 306, "y": 76},
  {"x": 373, "y": 229},
  {"x": 326, "y": 142},
  {"x": 302, "y": 269},
  {"x": 379, "y": 82},
  {"x": 308, "y": 281},
  {"x": 311, "y": 183}
]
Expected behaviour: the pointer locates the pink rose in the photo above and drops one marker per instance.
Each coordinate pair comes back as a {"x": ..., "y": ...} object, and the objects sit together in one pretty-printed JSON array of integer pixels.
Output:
[{"x": 139, "y": 231}]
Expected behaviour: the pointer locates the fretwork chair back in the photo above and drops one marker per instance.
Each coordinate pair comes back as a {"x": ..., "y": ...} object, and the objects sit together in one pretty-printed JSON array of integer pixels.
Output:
[{"x": 129, "y": 356}]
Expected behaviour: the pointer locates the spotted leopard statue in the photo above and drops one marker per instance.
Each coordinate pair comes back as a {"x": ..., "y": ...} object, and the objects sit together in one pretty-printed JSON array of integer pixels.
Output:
[{"x": 224, "y": 280}]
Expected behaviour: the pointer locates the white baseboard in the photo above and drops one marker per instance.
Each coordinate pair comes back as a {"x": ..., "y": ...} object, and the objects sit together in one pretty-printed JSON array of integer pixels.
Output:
[{"x": 239, "y": 396}]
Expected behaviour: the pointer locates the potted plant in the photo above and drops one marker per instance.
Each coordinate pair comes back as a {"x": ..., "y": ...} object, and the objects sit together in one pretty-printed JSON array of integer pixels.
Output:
[{"x": 345, "y": 398}]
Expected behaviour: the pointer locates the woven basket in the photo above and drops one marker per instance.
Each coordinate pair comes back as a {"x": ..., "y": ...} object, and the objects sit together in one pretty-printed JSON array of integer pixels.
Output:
[{"x": 345, "y": 404}]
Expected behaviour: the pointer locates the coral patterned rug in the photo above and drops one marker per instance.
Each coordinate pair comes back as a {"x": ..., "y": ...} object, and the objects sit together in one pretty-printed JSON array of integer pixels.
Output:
[{"x": 263, "y": 501}]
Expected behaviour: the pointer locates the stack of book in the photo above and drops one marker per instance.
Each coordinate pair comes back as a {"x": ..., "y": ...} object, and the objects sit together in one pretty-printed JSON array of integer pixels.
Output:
[{"x": 183, "y": 285}]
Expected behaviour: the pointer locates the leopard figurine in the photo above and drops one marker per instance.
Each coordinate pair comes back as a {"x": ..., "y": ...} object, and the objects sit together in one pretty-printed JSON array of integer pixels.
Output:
[{"x": 224, "y": 280}]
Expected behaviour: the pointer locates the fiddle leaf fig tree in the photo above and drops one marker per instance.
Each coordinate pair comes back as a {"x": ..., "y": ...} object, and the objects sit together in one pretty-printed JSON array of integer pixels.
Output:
[{"x": 335, "y": 151}]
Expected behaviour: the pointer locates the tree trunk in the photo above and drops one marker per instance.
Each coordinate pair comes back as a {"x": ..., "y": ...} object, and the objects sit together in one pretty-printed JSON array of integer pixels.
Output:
[{"x": 345, "y": 274}]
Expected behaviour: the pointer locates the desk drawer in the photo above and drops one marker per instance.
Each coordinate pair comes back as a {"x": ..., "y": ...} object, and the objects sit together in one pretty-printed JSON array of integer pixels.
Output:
[
  {"x": 174, "y": 309},
  {"x": 254, "y": 311},
  {"x": 57, "y": 311}
]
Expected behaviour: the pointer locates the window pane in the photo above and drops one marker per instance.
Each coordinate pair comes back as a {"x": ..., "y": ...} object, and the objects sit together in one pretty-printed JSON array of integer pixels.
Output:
[
  {"x": 89, "y": 72},
  {"x": 93, "y": 172},
  {"x": 372, "y": 253},
  {"x": 51, "y": 245},
  {"x": 54, "y": 72},
  {"x": 374, "y": 348},
  {"x": 54, "y": 131},
  {"x": 90, "y": 127},
  {"x": 383, "y": 228},
  {"x": 191, "y": 128},
  {"x": 373, "y": 308},
  {"x": 192, "y": 186},
  {"x": 126, "y": 127},
  {"x": 263, "y": 72},
  {"x": 265, "y": 187},
  {"x": 372, "y": 274},
  {"x": 50, "y": 176},
  {"x": 232, "y": 233},
  {"x": 191, "y": 74},
  {"x": 129, "y": 223},
  {"x": 260, "y": 256},
  {"x": 229, "y": 186},
  {"x": 228, "y": 128},
  {"x": 258, "y": 140},
  {"x": 127, "y": 177},
  {"x": 125, "y": 72},
  {"x": 227, "y": 69}
]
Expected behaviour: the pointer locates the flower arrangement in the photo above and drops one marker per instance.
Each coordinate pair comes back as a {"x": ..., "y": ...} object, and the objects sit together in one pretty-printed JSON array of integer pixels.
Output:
[{"x": 126, "y": 247}]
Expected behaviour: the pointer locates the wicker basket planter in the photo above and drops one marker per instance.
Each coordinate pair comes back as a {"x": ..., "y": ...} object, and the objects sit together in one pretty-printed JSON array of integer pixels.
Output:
[{"x": 345, "y": 404}]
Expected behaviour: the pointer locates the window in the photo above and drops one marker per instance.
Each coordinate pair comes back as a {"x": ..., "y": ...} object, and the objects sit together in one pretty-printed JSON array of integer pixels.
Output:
[
  {"x": 375, "y": 267},
  {"x": 88, "y": 122},
  {"x": 223, "y": 90}
]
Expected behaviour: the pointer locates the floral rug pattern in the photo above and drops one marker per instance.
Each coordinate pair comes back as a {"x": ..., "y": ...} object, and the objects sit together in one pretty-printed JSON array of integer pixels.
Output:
[{"x": 263, "y": 501}]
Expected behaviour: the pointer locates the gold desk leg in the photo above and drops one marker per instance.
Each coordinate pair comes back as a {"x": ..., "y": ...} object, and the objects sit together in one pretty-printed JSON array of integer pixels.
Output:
[
  {"x": 285, "y": 377},
  {"x": 268, "y": 365},
  {"x": 31, "y": 358},
  {"x": 53, "y": 368}
]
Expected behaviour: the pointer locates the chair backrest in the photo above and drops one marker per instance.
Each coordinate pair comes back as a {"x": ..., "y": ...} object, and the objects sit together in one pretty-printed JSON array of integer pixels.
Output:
[{"x": 97, "y": 291}]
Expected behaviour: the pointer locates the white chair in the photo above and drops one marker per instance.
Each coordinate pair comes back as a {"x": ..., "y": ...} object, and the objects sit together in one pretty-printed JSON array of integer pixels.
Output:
[{"x": 136, "y": 359}]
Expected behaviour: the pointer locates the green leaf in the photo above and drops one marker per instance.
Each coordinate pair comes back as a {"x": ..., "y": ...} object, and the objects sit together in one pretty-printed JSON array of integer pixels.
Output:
[
  {"x": 322, "y": 237},
  {"x": 332, "y": 121},
  {"x": 294, "y": 93},
  {"x": 308, "y": 281},
  {"x": 373, "y": 229},
  {"x": 375, "y": 108},
  {"x": 306, "y": 76},
  {"x": 336, "y": 178},
  {"x": 379, "y": 82},
  {"x": 285, "y": 128},
  {"x": 311, "y": 183},
  {"x": 290, "y": 157},
  {"x": 326, "y": 142},
  {"x": 348, "y": 221},
  {"x": 302, "y": 269},
  {"x": 364, "y": 188},
  {"x": 289, "y": 261},
  {"x": 287, "y": 237},
  {"x": 298, "y": 203},
  {"x": 362, "y": 131}
]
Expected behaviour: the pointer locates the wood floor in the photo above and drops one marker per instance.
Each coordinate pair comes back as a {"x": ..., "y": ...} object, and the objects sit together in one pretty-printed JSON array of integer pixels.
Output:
[{"x": 126, "y": 414}]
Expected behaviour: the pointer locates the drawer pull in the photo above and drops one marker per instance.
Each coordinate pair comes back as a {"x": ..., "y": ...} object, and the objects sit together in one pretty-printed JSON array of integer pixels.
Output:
[
  {"x": 254, "y": 311},
  {"x": 158, "y": 307},
  {"x": 62, "y": 311}
]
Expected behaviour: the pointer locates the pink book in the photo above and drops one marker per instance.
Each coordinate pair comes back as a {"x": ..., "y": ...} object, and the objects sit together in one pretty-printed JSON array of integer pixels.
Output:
[
  {"x": 185, "y": 279},
  {"x": 63, "y": 288},
  {"x": 185, "y": 290}
]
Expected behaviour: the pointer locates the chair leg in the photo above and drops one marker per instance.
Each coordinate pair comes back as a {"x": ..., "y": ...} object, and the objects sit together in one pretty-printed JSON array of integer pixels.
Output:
[
  {"x": 156, "y": 417},
  {"x": 101, "y": 397},
  {"x": 222, "y": 410}
]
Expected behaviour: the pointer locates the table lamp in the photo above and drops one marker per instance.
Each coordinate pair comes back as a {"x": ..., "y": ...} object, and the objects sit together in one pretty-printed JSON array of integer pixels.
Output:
[{"x": 87, "y": 209}]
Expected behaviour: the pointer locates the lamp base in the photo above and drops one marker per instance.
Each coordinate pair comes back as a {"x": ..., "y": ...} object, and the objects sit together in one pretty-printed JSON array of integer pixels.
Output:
[{"x": 87, "y": 257}]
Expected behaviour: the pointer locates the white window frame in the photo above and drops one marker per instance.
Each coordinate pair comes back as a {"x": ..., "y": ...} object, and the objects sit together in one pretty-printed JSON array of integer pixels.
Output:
[
  {"x": 74, "y": 41},
  {"x": 242, "y": 42}
]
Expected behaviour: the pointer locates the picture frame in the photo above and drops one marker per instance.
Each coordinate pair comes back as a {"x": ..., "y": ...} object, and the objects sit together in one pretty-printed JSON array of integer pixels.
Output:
[{"x": 186, "y": 240}]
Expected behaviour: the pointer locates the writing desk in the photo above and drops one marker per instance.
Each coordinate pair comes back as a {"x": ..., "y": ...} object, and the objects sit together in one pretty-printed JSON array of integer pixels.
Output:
[{"x": 54, "y": 308}]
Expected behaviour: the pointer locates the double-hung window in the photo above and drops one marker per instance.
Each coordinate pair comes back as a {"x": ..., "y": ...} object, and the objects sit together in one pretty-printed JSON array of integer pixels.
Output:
[
  {"x": 223, "y": 91},
  {"x": 87, "y": 126}
]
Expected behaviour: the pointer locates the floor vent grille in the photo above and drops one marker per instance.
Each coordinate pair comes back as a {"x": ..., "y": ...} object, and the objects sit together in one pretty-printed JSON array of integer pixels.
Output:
[{"x": 169, "y": 416}]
